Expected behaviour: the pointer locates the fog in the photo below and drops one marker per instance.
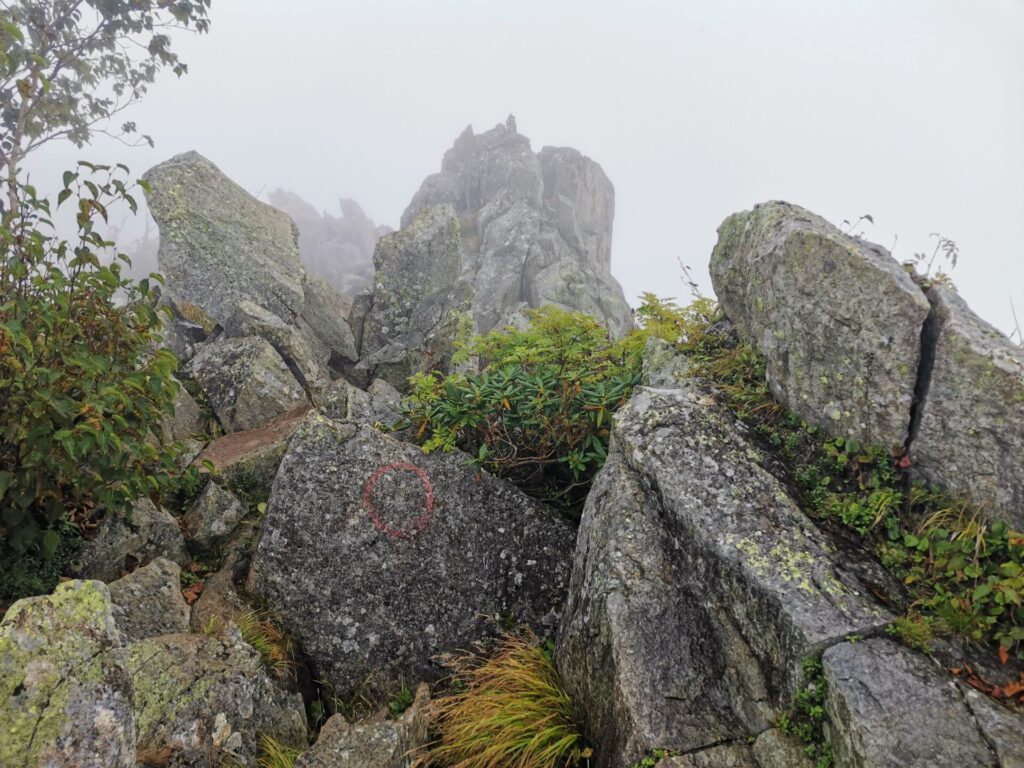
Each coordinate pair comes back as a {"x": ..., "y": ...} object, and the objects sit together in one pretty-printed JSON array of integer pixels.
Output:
[{"x": 912, "y": 112}]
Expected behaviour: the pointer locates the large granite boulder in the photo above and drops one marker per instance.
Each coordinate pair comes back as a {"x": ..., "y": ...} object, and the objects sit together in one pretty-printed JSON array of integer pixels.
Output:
[
  {"x": 970, "y": 433},
  {"x": 206, "y": 700},
  {"x": 126, "y": 541},
  {"x": 219, "y": 244},
  {"x": 64, "y": 701},
  {"x": 415, "y": 555},
  {"x": 326, "y": 317},
  {"x": 536, "y": 227},
  {"x": 837, "y": 319},
  {"x": 418, "y": 299},
  {"x": 698, "y": 586},
  {"x": 246, "y": 382},
  {"x": 148, "y": 601}
]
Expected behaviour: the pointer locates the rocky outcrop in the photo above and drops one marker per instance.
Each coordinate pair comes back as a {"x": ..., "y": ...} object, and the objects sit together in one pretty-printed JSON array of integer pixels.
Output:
[
  {"x": 246, "y": 382},
  {"x": 418, "y": 300},
  {"x": 126, "y": 541},
  {"x": 308, "y": 368},
  {"x": 326, "y": 316},
  {"x": 970, "y": 430},
  {"x": 148, "y": 601},
  {"x": 63, "y": 701},
  {"x": 338, "y": 249},
  {"x": 859, "y": 346},
  {"x": 536, "y": 227},
  {"x": 219, "y": 244},
  {"x": 206, "y": 700},
  {"x": 415, "y": 555},
  {"x": 378, "y": 742},
  {"x": 693, "y": 598},
  {"x": 837, "y": 319}
]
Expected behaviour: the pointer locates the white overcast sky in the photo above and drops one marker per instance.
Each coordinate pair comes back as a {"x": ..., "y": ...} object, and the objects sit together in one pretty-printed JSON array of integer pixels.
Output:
[{"x": 909, "y": 110}]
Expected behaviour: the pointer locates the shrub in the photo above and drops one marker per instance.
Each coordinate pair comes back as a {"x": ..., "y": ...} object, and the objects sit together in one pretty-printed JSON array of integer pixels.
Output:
[
  {"x": 538, "y": 412},
  {"x": 508, "y": 709},
  {"x": 82, "y": 380}
]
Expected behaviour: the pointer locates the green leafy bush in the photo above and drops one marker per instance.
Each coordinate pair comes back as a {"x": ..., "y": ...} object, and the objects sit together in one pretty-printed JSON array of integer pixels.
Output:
[
  {"x": 509, "y": 709},
  {"x": 539, "y": 410},
  {"x": 82, "y": 380}
]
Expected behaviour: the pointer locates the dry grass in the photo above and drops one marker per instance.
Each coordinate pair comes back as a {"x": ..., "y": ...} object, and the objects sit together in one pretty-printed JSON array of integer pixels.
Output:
[
  {"x": 508, "y": 711},
  {"x": 259, "y": 631}
]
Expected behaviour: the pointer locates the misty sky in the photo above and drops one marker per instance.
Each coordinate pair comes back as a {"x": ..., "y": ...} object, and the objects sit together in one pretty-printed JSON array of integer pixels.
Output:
[{"x": 909, "y": 110}]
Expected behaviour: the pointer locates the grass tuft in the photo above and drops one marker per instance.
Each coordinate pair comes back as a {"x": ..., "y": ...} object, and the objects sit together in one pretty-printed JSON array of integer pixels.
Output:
[
  {"x": 274, "y": 754},
  {"x": 508, "y": 711},
  {"x": 259, "y": 631}
]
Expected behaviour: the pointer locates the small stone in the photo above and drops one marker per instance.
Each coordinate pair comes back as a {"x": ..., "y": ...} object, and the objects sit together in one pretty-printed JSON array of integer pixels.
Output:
[{"x": 148, "y": 601}]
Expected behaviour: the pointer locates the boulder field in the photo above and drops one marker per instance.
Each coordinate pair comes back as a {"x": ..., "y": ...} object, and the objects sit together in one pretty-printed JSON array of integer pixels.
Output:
[{"x": 688, "y": 610}]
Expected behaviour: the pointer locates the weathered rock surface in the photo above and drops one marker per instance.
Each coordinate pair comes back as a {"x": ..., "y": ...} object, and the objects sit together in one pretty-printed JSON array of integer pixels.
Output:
[
  {"x": 412, "y": 553},
  {"x": 246, "y": 382},
  {"x": 838, "y": 320},
  {"x": 536, "y": 227},
  {"x": 418, "y": 298},
  {"x": 208, "y": 699},
  {"x": 63, "y": 702},
  {"x": 971, "y": 430},
  {"x": 719, "y": 756},
  {"x": 250, "y": 319},
  {"x": 698, "y": 586},
  {"x": 338, "y": 249},
  {"x": 326, "y": 315},
  {"x": 219, "y": 244},
  {"x": 380, "y": 402},
  {"x": 774, "y": 749},
  {"x": 148, "y": 601},
  {"x": 249, "y": 460},
  {"x": 124, "y": 542},
  {"x": 377, "y": 742},
  {"x": 890, "y": 707},
  {"x": 213, "y": 517}
]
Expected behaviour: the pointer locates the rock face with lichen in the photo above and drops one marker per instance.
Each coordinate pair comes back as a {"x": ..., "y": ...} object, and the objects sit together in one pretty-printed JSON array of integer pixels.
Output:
[
  {"x": 536, "y": 227},
  {"x": 416, "y": 555},
  {"x": 837, "y": 319},
  {"x": 970, "y": 434},
  {"x": 219, "y": 244},
  {"x": 417, "y": 301},
  {"x": 208, "y": 699},
  {"x": 64, "y": 701},
  {"x": 698, "y": 580}
]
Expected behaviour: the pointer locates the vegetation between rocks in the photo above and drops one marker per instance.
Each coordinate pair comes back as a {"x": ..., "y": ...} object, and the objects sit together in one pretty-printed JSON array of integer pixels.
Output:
[
  {"x": 506, "y": 708},
  {"x": 806, "y": 720}
]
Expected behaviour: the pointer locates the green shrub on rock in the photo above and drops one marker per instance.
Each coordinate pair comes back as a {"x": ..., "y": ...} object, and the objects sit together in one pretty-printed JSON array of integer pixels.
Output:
[
  {"x": 83, "y": 383},
  {"x": 538, "y": 411}
]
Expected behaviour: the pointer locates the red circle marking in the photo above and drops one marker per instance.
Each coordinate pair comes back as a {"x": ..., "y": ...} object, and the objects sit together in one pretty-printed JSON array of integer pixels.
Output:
[{"x": 420, "y": 523}]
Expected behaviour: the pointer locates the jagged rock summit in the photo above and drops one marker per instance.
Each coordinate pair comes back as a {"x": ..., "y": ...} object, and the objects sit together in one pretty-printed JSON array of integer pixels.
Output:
[{"x": 536, "y": 226}]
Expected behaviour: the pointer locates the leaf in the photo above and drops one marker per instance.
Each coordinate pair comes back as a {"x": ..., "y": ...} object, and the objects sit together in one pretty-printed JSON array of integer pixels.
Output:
[
  {"x": 1004, "y": 654},
  {"x": 49, "y": 543},
  {"x": 192, "y": 593}
]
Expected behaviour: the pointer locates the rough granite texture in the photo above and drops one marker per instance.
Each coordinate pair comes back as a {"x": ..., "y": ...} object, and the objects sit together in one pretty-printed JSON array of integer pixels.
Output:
[
  {"x": 301, "y": 357},
  {"x": 971, "y": 434},
  {"x": 698, "y": 586},
  {"x": 326, "y": 314},
  {"x": 418, "y": 298},
  {"x": 892, "y": 708},
  {"x": 148, "y": 601},
  {"x": 213, "y": 517},
  {"x": 246, "y": 382},
  {"x": 219, "y": 244},
  {"x": 208, "y": 699},
  {"x": 412, "y": 554},
  {"x": 64, "y": 703},
  {"x": 124, "y": 542},
  {"x": 536, "y": 227},
  {"x": 837, "y": 318},
  {"x": 377, "y": 742}
]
